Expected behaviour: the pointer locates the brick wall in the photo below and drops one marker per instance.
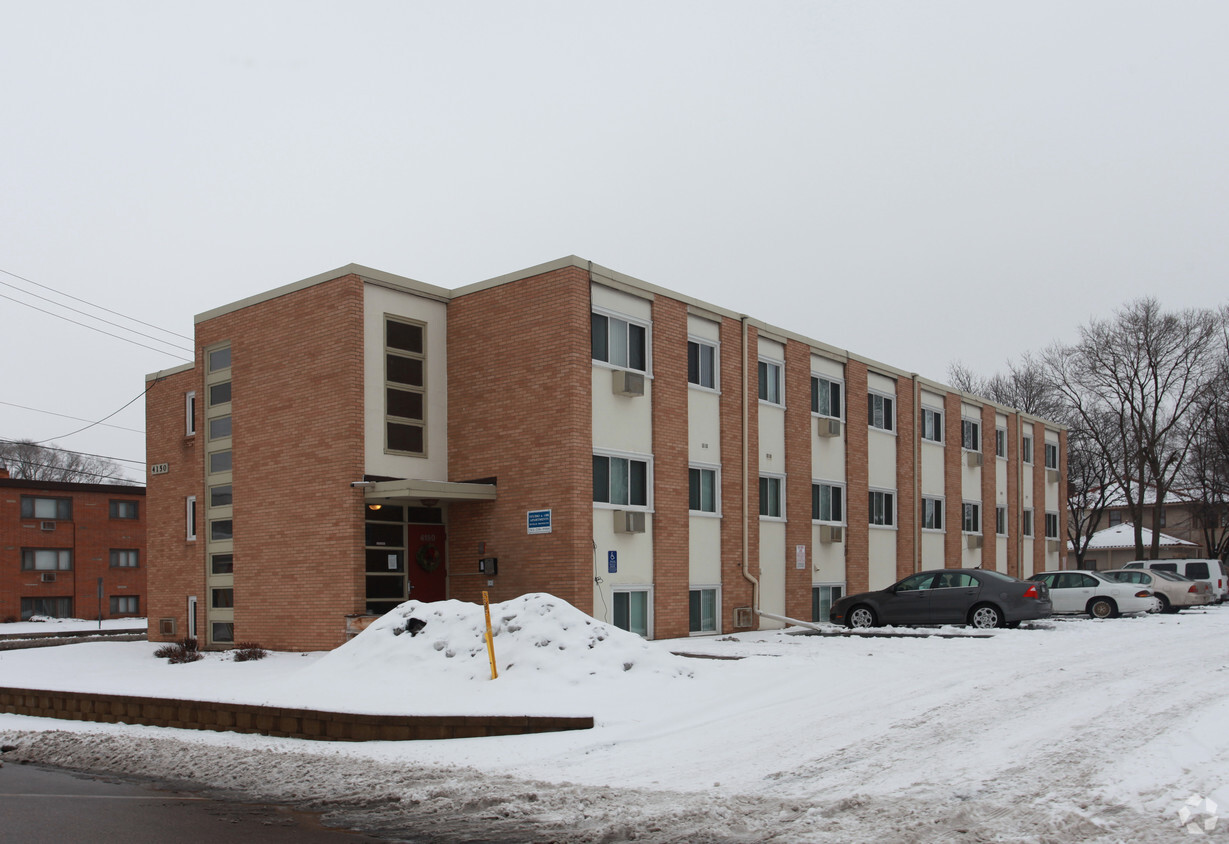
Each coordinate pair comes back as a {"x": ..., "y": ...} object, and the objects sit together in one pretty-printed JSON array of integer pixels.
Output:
[
  {"x": 671, "y": 520},
  {"x": 989, "y": 500},
  {"x": 736, "y": 589},
  {"x": 906, "y": 478},
  {"x": 520, "y": 410},
  {"x": 1013, "y": 494},
  {"x": 953, "y": 458},
  {"x": 798, "y": 443},
  {"x": 857, "y": 450}
]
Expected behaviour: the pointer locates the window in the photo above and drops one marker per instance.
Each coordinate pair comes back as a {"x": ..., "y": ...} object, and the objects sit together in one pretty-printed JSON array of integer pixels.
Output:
[
  {"x": 223, "y": 599},
  {"x": 219, "y": 393},
  {"x": 46, "y": 559},
  {"x": 1000, "y": 442},
  {"x": 932, "y": 513},
  {"x": 1115, "y": 518},
  {"x": 1051, "y": 526},
  {"x": 827, "y": 503},
  {"x": 770, "y": 382},
  {"x": 932, "y": 425},
  {"x": 220, "y": 461},
  {"x": 702, "y": 611},
  {"x": 882, "y": 508},
  {"x": 51, "y": 607},
  {"x": 1051, "y": 455},
  {"x": 219, "y": 359},
  {"x": 125, "y": 605},
  {"x": 825, "y": 396},
  {"x": 703, "y": 489},
  {"x": 631, "y": 611},
  {"x": 1026, "y": 449},
  {"x": 124, "y": 509},
  {"x": 702, "y": 364},
  {"x": 125, "y": 558},
  {"x": 190, "y": 413},
  {"x": 1000, "y": 521},
  {"x": 222, "y": 564},
  {"x": 970, "y": 435},
  {"x": 620, "y": 342},
  {"x": 221, "y": 529},
  {"x": 970, "y": 517},
  {"x": 223, "y": 631},
  {"x": 879, "y": 411},
  {"x": 46, "y": 508},
  {"x": 620, "y": 480},
  {"x": 822, "y": 599},
  {"x": 190, "y": 516},
  {"x": 220, "y": 496},
  {"x": 1161, "y": 520},
  {"x": 1026, "y": 521},
  {"x": 405, "y": 386},
  {"x": 219, "y": 428},
  {"x": 770, "y": 497}
]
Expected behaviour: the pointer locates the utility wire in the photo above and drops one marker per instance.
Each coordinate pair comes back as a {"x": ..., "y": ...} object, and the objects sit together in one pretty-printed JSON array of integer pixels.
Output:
[
  {"x": 77, "y": 471},
  {"x": 71, "y": 451},
  {"x": 99, "y": 330},
  {"x": 66, "y": 416},
  {"x": 91, "y": 304},
  {"x": 103, "y": 419}
]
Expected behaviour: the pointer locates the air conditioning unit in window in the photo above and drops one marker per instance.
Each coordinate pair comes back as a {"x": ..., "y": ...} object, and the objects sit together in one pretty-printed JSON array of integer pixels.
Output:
[
  {"x": 1052, "y": 546},
  {"x": 829, "y": 428},
  {"x": 628, "y": 383},
  {"x": 972, "y": 541},
  {"x": 1052, "y": 476},
  {"x": 831, "y": 533},
  {"x": 628, "y": 521},
  {"x": 46, "y": 525},
  {"x": 48, "y": 577},
  {"x": 743, "y": 617},
  {"x": 973, "y": 458}
]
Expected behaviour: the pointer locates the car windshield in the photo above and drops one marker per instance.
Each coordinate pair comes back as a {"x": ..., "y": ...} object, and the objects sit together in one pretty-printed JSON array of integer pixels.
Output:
[
  {"x": 996, "y": 575},
  {"x": 1169, "y": 575}
]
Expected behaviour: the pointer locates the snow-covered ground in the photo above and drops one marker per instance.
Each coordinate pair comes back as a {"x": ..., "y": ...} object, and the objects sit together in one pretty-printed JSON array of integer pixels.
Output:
[{"x": 1074, "y": 730}]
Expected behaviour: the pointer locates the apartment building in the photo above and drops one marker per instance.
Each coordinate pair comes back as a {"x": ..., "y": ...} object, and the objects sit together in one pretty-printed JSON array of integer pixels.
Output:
[
  {"x": 71, "y": 550},
  {"x": 357, "y": 438}
]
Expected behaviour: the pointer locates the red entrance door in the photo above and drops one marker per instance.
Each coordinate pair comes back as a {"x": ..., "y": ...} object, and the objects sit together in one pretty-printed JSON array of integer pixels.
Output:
[{"x": 428, "y": 574}]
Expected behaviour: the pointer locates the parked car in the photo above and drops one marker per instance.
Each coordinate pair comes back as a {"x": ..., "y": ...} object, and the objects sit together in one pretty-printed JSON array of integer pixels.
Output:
[
  {"x": 1211, "y": 572},
  {"x": 1090, "y": 592},
  {"x": 1172, "y": 591},
  {"x": 977, "y": 597}
]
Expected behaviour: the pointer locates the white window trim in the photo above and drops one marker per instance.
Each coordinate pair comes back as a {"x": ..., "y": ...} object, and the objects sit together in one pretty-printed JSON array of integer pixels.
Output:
[
  {"x": 716, "y": 346},
  {"x": 1058, "y": 525},
  {"x": 648, "y": 341},
  {"x": 1031, "y": 447},
  {"x": 997, "y": 430},
  {"x": 1045, "y": 457},
  {"x": 840, "y": 382},
  {"x": 870, "y": 423},
  {"x": 922, "y": 426},
  {"x": 844, "y": 499},
  {"x": 895, "y": 509},
  {"x": 715, "y": 468},
  {"x": 980, "y": 440},
  {"x": 977, "y": 504},
  {"x": 632, "y": 587},
  {"x": 190, "y": 518},
  {"x": 629, "y": 455},
  {"x": 1006, "y": 521},
  {"x": 942, "y": 510},
  {"x": 716, "y": 587},
  {"x": 1031, "y": 533},
  {"x": 784, "y": 511},
  {"x": 189, "y": 400},
  {"x": 780, "y": 365}
]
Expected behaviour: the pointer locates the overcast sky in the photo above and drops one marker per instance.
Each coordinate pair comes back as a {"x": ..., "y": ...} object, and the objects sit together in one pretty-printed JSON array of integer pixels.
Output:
[{"x": 919, "y": 182}]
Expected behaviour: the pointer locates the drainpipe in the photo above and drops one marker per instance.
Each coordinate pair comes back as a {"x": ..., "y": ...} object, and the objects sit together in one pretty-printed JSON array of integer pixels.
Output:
[{"x": 755, "y": 584}]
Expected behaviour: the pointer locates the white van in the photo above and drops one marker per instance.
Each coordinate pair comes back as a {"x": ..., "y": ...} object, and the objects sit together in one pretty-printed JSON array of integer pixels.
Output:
[{"x": 1211, "y": 572}]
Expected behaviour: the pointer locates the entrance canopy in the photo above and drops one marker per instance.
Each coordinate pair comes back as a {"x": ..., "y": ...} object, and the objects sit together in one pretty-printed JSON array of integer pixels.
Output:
[{"x": 427, "y": 491}]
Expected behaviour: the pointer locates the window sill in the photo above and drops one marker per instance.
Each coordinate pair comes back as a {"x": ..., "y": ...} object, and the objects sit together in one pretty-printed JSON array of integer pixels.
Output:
[
  {"x": 766, "y": 403},
  {"x": 882, "y": 527},
  {"x": 601, "y": 364},
  {"x": 704, "y": 514},
  {"x": 702, "y": 389},
  {"x": 778, "y": 519}
]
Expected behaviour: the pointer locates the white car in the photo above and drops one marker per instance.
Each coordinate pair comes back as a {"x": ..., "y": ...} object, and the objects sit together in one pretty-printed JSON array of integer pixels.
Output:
[{"x": 1089, "y": 592}]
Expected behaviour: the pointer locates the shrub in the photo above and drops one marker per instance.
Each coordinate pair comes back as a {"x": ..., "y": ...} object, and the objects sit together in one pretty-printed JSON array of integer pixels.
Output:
[
  {"x": 177, "y": 654},
  {"x": 247, "y": 651}
]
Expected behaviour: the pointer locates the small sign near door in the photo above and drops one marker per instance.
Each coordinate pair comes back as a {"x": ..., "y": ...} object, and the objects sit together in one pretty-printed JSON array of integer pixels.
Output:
[
  {"x": 801, "y": 552},
  {"x": 612, "y": 562},
  {"x": 538, "y": 521}
]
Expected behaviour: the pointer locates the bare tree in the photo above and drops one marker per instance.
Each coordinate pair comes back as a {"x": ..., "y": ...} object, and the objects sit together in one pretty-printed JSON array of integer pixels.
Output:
[
  {"x": 1134, "y": 383},
  {"x": 27, "y": 460},
  {"x": 1025, "y": 386},
  {"x": 1089, "y": 486}
]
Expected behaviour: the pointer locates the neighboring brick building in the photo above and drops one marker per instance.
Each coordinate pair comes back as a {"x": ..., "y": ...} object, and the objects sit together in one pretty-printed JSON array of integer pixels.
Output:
[
  {"x": 58, "y": 541},
  {"x": 662, "y": 463}
]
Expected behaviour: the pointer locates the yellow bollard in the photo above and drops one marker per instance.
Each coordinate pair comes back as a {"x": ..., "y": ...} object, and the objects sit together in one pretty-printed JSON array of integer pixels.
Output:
[{"x": 490, "y": 638}]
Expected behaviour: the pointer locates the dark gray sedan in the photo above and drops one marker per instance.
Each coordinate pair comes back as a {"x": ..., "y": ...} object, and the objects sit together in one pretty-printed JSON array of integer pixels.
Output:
[{"x": 977, "y": 597}]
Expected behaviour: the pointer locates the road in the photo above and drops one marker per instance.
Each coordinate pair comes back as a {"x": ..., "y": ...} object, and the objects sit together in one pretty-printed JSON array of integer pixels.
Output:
[{"x": 51, "y": 806}]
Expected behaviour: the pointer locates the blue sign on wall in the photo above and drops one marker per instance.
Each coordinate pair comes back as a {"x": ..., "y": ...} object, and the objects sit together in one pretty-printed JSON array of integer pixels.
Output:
[
  {"x": 612, "y": 562},
  {"x": 538, "y": 521}
]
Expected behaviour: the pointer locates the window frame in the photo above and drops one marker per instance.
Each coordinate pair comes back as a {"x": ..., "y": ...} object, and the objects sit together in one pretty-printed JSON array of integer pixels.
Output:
[
  {"x": 770, "y": 481},
  {"x": 116, "y": 602},
  {"x": 937, "y": 506},
  {"x": 713, "y": 347},
  {"x": 765, "y": 365},
  {"x": 190, "y": 525},
  {"x": 606, "y": 314},
  {"x": 1026, "y": 522},
  {"x": 970, "y": 517},
  {"x": 970, "y": 432},
  {"x": 835, "y": 385},
  {"x": 1051, "y": 518},
  {"x": 629, "y": 590},
  {"x": 119, "y": 558},
  {"x": 1000, "y": 442},
  {"x": 937, "y": 425},
  {"x": 817, "y": 601},
  {"x": 701, "y": 589},
  {"x": 716, "y": 473},
  {"x": 117, "y": 506},
  {"x": 816, "y": 503},
  {"x": 63, "y": 504},
  {"x": 1051, "y": 448},
  {"x": 1026, "y": 449},
  {"x": 190, "y": 413},
  {"x": 886, "y": 409},
  {"x": 630, "y": 457},
  {"x": 389, "y": 385},
  {"x": 29, "y": 559},
  {"x": 1000, "y": 521},
  {"x": 888, "y": 496}
]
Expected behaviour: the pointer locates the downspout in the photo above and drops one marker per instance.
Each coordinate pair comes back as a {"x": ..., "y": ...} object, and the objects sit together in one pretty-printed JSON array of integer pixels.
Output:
[{"x": 755, "y": 584}]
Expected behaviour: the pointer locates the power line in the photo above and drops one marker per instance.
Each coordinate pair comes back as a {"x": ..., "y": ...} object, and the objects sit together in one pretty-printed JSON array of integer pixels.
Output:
[
  {"x": 76, "y": 471},
  {"x": 91, "y": 304},
  {"x": 135, "y": 399},
  {"x": 99, "y": 330},
  {"x": 66, "y": 416},
  {"x": 70, "y": 451}
]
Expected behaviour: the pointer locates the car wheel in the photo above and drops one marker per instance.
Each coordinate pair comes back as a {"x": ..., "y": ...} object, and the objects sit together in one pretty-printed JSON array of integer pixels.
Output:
[
  {"x": 985, "y": 617},
  {"x": 1164, "y": 602},
  {"x": 1102, "y": 608},
  {"x": 860, "y": 616}
]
